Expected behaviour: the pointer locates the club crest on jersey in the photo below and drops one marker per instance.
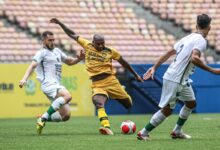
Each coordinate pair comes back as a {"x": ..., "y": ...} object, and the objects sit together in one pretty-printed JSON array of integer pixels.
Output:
[
  {"x": 106, "y": 51},
  {"x": 104, "y": 54}
]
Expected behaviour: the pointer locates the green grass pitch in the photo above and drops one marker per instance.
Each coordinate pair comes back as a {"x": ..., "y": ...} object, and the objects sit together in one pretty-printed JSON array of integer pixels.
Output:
[{"x": 81, "y": 133}]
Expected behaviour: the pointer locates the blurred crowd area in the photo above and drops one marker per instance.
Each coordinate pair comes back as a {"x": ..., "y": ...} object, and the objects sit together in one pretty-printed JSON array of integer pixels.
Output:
[{"x": 138, "y": 41}]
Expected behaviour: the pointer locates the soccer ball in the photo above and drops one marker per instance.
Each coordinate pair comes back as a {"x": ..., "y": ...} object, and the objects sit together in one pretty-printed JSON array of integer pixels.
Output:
[{"x": 128, "y": 127}]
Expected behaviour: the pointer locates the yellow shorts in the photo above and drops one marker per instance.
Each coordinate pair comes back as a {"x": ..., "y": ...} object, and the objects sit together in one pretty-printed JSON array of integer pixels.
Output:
[{"x": 110, "y": 87}]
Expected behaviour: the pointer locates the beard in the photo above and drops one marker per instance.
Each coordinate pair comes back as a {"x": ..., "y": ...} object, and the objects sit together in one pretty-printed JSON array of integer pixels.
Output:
[{"x": 50, "y": 47}]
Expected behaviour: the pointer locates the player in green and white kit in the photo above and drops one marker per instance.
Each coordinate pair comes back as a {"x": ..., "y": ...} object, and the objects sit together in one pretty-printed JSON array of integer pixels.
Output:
[
  {"x": 48, "y": 64},
  {"x": 176, "y": 82}
]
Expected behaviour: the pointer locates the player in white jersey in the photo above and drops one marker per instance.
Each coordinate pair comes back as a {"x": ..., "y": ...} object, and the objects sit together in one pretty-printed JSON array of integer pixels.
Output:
[
  {"x": 48, "y": 64},
  {"x": 176, "y": 82}
]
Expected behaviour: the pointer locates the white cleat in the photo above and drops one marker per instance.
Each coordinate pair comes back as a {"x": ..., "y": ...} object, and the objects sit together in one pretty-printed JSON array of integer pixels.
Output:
[
  {"x": 143, "y": 137},
  {"x": 180, "y": 135}
]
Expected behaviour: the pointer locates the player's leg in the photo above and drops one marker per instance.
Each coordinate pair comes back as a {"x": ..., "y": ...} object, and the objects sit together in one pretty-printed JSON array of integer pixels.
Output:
[
  {"x": 185, "y": 112},
  {"x": 167, "y": 103},
  {"x": 99, "y": 101},
  {"x": 155, "y": 121},
  {"x": 187, "y": 95},
  {"x": 63, "y": 114},
  {"x": 62, "y": 97},
  {"x": 117, "y": 92},
  {"x": 59, "y": 97},
  {"x": 126, "y": 102}
]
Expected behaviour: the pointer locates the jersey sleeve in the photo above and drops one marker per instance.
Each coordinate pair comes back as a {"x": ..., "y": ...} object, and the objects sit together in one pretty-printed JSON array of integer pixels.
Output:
[
  {"x": 83, "y": 42},
  {"x": 39, "y": 56},
  {"x": 115, "y": 54},
  {"x": 200, "y": 45}
]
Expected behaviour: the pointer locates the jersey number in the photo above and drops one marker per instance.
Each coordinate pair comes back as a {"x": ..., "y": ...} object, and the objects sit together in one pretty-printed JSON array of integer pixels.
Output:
[{"x": 179, "y": 50}]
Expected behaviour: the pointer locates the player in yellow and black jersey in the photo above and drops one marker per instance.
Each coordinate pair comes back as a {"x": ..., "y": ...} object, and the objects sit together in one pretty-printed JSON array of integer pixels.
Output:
[{"x": 98, "y": 60}]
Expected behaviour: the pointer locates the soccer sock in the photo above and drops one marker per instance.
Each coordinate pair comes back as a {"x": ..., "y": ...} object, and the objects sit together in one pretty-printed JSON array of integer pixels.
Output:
[
  {"x": 183, "y": 115},
  {"x": 55, "y": 117},
  {"x": 56, "y": 105},
  {"x": 103, "y": 118},
  {"x": 156, "y": 119}
]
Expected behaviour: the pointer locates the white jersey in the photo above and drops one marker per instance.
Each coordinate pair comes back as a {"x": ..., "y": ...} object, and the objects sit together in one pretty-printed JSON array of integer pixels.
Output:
[
  {"x": 182, "y": 67},
  {"x": 49, "y": 67}
]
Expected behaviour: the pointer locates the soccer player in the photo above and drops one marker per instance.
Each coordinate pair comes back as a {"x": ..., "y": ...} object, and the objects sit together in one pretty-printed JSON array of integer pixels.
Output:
[
  {"x": 105, "y": 85},
  {"x": 176, "y": 82},
  {"x": 48, "y": 63}
]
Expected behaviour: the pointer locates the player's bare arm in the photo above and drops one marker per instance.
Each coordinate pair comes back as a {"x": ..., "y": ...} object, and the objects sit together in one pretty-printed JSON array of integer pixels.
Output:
[
  {"x": 73, "y": 61},
  {"x": 28, "y": 72},
  {"x": 68, "y": 31},
  {"x": 198, "y": 62},
  {"x": 150, "y": 72},
  {"x": 125, "y": 64}
]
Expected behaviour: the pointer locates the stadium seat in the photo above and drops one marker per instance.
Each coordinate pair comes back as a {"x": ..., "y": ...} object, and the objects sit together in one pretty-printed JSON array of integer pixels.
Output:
[
  {"x": 184, "y": 13},
  {"x": 120, "y": 25}
]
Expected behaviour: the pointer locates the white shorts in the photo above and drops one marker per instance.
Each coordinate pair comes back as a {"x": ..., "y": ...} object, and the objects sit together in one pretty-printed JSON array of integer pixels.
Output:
[
  {"x": 51, "y": 89},
  {"x": 172, "y": 91}
]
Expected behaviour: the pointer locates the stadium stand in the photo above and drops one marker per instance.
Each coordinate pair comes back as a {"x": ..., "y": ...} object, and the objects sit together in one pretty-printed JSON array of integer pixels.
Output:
[
  {"x": 137, "y": 40},
  {"x": 16, "y": 46},
  {"x": 184, "y": 14}
]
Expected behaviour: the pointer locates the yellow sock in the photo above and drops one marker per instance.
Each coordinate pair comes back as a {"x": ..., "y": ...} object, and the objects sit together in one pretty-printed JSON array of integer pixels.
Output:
[{"x": 103, "y": 118}]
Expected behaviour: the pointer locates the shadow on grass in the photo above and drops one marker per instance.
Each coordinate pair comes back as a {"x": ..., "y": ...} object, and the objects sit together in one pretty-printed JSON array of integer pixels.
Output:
[
  {"x": 48, "y": 133},
  {"x": 63, "y": 134}
]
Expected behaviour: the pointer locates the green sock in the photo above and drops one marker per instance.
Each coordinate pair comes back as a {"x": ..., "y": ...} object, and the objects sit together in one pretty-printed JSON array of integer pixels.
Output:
[
  {"x": 149, "y": 127},
  {"x": 47, "y": 115},
  {"x": 51, "y": 110},
  {"x": 181, "y": 121}
]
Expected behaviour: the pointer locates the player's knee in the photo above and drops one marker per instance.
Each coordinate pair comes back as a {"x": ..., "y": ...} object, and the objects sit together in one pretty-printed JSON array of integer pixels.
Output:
[
  {"x": 68, "y": 98},
  {"x": 99, "y": 101},
  {"x": 66, "y": 117},
  {"x": 191, "y": 104},
  {"x": 167, "y": 111},
  {"x": 194, "y": 104},
  {"x": 98, "y": 104}
]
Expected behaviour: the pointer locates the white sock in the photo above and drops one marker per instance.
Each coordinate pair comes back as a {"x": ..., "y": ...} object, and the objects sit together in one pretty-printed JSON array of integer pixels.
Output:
[
  {"x": 184, "y": 114},
  {"x": 144, "y": 131},
  {"x": 56, "y": 117},
  {"x": 57, "y": 103},
  {"x": 157, "y": 118},
  {"x": 45, "y": 115},
  {"x": 177, "y": 128}
]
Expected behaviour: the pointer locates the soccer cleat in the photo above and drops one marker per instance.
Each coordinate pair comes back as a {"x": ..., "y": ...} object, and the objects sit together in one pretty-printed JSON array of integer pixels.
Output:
[
  {"x": 143, "y": 137},
  {"x": 40, "y": 126},
  {"x": 105, "y": 131},
  {"x": 180, "y": 135}
]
